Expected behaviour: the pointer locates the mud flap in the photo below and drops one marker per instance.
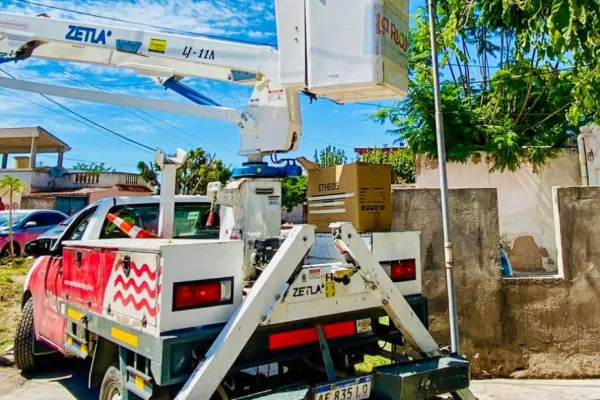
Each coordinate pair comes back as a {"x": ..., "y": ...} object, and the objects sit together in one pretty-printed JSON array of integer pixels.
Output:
[
  {"x": 421, "y": 379},
  {"x": 105, "y": 354}
]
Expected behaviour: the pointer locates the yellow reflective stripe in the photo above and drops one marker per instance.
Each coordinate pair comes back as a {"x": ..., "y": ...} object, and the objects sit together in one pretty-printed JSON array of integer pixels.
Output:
[
  {"x": 139, "y": 382},
  {"x": 124, "y": 337},
  {"x": 71, "y": 313}
]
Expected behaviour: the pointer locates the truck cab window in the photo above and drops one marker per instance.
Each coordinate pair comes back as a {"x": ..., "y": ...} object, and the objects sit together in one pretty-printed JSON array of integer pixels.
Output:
[
  {"x": 76, "y": 232},
  {"x": 189, "y": 222}
]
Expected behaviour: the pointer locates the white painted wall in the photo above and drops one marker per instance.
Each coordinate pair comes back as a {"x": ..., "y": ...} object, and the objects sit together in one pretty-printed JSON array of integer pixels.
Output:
[
  {"x": 524, "y": 197},
  {"x": 591, "y": 140}
]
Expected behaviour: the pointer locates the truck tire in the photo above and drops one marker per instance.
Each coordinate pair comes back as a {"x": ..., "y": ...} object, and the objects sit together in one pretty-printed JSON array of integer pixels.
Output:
[
  {"x": 25, "y": 359},
  {"x": 112, "y": 385},
  {"x": 110, "y": 389}
]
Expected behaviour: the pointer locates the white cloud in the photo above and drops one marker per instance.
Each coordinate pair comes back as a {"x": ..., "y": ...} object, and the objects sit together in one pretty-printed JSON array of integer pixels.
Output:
[
  {"x": 259, "y": 34},
  {"x": 229, "y": 18},
  {"x": 239, "y": 19}
]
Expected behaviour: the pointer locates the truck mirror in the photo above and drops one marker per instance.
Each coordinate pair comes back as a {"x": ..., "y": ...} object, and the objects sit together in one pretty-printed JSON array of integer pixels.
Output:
[{"x": 39, "y": 247}]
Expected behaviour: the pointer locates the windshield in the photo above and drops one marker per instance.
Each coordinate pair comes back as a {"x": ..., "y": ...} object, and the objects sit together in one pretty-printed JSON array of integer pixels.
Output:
[{"x": 16, "y": 217}]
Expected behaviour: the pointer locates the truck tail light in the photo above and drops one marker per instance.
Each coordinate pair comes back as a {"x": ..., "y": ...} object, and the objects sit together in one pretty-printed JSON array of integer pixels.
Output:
[
  {"x": 309, "y": 335},
  {"x": 403, "y": 270},
  {"x": 206, "y": 293}
]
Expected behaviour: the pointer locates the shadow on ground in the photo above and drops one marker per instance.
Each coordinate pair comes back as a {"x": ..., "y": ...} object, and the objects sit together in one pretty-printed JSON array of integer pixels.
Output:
[{"x": 62, "y": 379}]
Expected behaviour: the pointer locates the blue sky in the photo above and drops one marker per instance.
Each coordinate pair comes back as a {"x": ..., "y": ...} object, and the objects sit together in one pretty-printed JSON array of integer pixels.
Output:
[{"x": 323, "y": 122}]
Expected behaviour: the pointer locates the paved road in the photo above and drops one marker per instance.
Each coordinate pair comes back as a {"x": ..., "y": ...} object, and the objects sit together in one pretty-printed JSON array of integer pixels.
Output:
[{"x": 70, "y": 384}]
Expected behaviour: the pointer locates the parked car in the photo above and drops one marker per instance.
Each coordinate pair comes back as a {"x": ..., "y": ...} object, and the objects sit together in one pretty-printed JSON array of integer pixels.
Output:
[
  {"x": 54, "y": 233},
  {"x": 27, "y": 226}
]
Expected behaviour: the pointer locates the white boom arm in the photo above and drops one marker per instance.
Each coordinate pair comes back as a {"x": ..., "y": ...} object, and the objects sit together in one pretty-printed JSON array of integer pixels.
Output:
[
  {"x": 363, "y": 58},
  {"x": 148, "y": 53},
  {"x": 271, "y": 122}
]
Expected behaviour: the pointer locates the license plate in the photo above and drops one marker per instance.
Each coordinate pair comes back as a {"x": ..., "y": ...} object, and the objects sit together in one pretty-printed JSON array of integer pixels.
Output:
[{"x": 351, "y": 389}]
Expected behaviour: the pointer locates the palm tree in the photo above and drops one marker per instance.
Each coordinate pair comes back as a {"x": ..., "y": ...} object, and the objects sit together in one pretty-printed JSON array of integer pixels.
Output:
[{"x": 14, "y": 185}]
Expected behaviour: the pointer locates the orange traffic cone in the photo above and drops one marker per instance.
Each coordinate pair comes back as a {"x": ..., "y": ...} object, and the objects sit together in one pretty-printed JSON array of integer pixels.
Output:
[{"x": 133, "y": 231}]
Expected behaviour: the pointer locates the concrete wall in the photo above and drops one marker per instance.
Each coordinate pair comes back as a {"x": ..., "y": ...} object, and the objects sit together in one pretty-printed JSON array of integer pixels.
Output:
[
  {"x": 38, "y": 203},
  {"x": 36, "y": 180},
  {"x": 522, "y": 327},
  {"x": 474, "y": 229},
  {"x": 524, "y": 202},
  {"x": 113, "y": 192}
]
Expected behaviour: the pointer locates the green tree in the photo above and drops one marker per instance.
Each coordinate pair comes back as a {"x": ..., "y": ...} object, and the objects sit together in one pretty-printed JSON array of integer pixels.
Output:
[
  {"x": 330, "y": 156},
  {"x": 401, "y": 160},
  {"x": 92, "y": 167},
  {"x": 200, "y": 168},
  {"x": 293, "y": 191},
  {"x": 519, "y": 77},
  {"x": 14, "y": 185}
]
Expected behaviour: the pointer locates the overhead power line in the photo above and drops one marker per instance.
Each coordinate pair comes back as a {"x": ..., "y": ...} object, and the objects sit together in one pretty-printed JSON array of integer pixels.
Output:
[
  {"x": 74, "y": 79},
  {"x": 71, "y": 77},
  {"x": 140, "y": 23},
  {"x": 84, "y": 161},
  {"x": 189, "y": 133},
  {"x": 89, "y": 120},
  {"x": 6, "y": 122}
]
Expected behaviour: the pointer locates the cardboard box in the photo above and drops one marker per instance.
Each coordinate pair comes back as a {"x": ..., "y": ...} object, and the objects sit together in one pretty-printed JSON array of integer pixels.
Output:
[{"x": 359, "y": 193}]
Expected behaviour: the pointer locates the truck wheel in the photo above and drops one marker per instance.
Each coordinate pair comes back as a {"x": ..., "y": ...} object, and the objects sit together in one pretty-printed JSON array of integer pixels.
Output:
[
  {"x": 25, "y": 340},
  {"x": 111, "y": 384}
]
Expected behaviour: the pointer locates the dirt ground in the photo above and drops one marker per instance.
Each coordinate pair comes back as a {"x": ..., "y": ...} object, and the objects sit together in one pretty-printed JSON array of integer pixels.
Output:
[
  {"x": 11, "y": 287},
  {"x": 69, "y": 383}
]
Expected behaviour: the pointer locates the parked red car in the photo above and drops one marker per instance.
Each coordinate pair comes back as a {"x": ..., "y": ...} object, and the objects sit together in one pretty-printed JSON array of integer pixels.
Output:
[{"x": 27, "y": 226}]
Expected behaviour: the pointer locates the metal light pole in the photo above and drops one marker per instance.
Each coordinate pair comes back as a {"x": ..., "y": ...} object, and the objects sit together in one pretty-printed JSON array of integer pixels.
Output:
[{"x": 441, "y": 148}]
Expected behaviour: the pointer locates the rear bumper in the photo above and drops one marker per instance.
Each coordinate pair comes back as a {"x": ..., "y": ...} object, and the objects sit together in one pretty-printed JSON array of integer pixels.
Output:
[
  {"x": 172, "y": 355},
  {"x": 420, "y": 379},
  {"x": 175, "y": 351}
]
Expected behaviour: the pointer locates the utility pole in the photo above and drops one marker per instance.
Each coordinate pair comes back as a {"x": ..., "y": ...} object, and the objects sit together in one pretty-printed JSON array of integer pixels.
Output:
[{"x": 441, "y": 149}]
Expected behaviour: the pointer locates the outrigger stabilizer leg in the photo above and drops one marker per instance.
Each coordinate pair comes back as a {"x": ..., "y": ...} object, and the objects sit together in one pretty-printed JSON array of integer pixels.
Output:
[
  {"x": 271, "y": 289},
  {"x": 352, "y": 247}
]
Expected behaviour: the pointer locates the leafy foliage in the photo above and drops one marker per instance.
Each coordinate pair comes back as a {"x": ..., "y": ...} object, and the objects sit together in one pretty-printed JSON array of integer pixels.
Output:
[
  {"x": 544, "y": 83},
  {"x": 13, "y": 185},
  {"x": 402, "y": 162},
  {"x": 92, "y": 167},
  {"x": 330, "y": 156},
  {"x": 199, "y": 169},
  {"x": 293, "y": 192}
]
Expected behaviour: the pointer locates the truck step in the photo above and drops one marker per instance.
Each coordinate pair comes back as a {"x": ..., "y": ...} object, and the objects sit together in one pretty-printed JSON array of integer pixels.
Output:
[{"x": 421, "y": 379}]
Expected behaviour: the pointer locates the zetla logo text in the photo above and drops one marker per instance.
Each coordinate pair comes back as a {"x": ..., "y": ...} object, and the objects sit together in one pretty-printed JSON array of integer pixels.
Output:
[{"x": 87, "y": 35}]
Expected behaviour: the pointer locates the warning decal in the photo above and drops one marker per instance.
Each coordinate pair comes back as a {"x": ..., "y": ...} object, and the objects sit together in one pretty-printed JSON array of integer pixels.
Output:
[
  {"x": 157, "y": 46},
  {"x": 276, "y": 94}
]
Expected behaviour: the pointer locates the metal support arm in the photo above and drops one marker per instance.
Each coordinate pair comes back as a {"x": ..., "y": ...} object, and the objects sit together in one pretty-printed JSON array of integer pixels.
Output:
[
  {"x": 221, "y": 113},
  {"x": 220, "y": 357},
  {"x": 189, "y": 93}
]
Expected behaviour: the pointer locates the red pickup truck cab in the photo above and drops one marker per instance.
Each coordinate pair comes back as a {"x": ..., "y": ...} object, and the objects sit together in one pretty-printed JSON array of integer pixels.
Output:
[{"x": 42, "y": 327}]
